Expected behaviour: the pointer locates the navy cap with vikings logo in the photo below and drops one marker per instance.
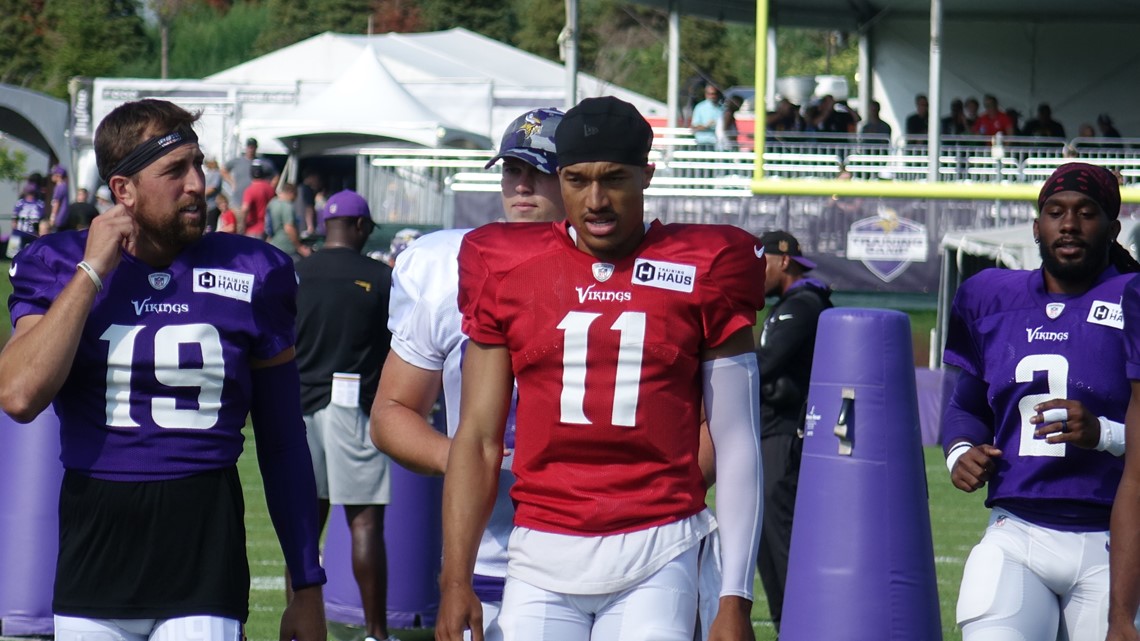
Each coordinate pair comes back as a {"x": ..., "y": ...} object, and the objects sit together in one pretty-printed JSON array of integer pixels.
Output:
[{"x": 530, "y": 138}]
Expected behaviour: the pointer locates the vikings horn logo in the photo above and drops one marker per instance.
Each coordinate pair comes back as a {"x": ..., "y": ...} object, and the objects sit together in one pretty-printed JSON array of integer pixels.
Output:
[{"x": 532, "y": 125}]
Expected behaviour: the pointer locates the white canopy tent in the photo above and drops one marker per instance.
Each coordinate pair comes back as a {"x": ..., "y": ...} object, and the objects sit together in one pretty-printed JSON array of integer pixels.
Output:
[
  {"x": 473, "y": 82},
  {"x": 364, "y": 105}
]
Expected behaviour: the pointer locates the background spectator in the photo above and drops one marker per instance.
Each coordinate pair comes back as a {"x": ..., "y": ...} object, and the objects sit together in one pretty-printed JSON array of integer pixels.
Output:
[
  {"x": 918, "y": 123},
  {"x": 237, "y": 172},
  {"x": 956, "y": 123},
  {"x": 705, "y": 116},
  {"x": 255, "y": 200},
  {"x": 993, "y": 120},
  {"x": 59, "y": 199},
  {"x": 103, "y": 198},
  {"x": 970, "y": 106},
  {"x": 873, "y": 124},
  {"x": 28, "y": 221},
  {"x": 1107, "y": 129},
  {"x": 214, "y": 181},
  {"x": 1043, "y": 125},
  {"x": 727, "y": 132},
  {"x": 225, "y": 220},
  {"x": 786, "y": 117},
  {"x": 280, "y": 217}
]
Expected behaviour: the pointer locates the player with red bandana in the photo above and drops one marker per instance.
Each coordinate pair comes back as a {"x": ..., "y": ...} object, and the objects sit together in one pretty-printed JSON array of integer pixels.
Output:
[{"x": 617, "y": 331}]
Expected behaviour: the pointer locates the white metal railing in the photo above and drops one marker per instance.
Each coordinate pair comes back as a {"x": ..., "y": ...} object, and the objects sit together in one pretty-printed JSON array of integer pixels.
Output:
[{"x": 416, "y": 186}]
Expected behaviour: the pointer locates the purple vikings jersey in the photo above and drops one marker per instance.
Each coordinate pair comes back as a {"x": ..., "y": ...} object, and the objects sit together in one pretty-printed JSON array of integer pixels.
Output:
[
  {"x": 160, "y": 386},
  {"x": 1029, "y": 346}
]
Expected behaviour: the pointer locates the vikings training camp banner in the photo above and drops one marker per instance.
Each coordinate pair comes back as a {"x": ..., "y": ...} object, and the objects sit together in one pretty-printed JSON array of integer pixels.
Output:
[{"x": 860, "y": 244}]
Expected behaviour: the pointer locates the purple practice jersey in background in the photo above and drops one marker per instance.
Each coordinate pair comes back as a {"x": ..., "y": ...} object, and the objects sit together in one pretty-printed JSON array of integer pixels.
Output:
[
  {"x": 1029, "y": 346},
  {"x": 160, "y": 386}
]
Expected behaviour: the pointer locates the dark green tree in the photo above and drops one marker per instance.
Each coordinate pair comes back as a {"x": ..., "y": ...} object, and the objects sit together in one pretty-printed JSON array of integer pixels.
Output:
[
  {"x": 492, "y": 18},
  {"x": 540, "y": 22},
  {"x": 810, "y": 52},
  {"x": 13, "y": 164},
  {"x": 208, "y": 39},
  {"x": 88, "y": 38},
  {"x": 291, "y": 21},
  {"x": 21, "y": 42}
]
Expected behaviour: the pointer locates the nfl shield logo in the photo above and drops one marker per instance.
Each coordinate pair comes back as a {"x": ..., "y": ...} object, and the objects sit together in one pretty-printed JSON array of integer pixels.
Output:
[
  {"x": 159, "y": 280},
  {"x": 1053, "y": 310},
  {"x": 603, "y": 271}
]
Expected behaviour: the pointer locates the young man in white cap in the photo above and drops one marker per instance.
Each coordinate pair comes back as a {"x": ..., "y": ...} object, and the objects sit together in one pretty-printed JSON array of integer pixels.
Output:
[
  {"x": 428, "y": 341},
  {"x": 615, "y": 331}
]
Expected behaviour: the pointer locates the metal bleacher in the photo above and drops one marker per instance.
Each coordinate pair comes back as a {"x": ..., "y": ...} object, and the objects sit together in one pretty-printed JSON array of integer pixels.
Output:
[{"x": 413, "y": 185}]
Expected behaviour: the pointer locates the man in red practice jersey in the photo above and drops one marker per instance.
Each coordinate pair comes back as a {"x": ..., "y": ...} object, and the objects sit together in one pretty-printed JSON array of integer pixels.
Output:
[{"x": 617, "y": 331}]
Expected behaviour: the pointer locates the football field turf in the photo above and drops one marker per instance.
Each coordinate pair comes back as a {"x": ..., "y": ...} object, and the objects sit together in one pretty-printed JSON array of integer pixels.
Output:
[{"x": 957, "y": 520}]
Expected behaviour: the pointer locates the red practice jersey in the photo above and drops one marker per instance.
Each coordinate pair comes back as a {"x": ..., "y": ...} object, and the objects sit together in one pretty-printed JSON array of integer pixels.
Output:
[{"x": 607, "y": 361}]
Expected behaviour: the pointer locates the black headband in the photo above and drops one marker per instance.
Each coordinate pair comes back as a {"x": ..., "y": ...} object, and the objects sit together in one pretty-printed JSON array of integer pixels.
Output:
[{"x": 150, "y": 151}]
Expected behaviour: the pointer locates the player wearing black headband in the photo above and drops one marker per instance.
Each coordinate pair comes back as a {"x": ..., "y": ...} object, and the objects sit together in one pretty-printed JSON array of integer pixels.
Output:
[
  {"x": 616, "y": 331},
  {"x": 154, "y": 343},
  {"x": 1037, "y": 414}
]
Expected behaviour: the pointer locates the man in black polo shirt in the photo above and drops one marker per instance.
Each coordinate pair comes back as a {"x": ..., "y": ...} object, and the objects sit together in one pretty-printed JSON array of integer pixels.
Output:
[{"x": 342, "y": 341}]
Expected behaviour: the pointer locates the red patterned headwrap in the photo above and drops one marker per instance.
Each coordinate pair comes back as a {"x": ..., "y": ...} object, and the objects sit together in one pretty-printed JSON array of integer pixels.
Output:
[{"x": 1094, "y": 181}]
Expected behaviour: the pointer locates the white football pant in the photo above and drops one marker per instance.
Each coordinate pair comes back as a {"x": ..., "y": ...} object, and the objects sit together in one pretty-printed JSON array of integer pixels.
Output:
[
  {"x": 1025, "y": 582},
  {"x": 663, "y": 607},
  {"x": 192, "y": 628}
]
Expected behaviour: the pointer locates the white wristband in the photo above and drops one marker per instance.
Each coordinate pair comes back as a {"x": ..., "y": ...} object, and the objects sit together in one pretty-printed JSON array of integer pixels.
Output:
[
  {"x": 90, "y": 271},
  {"x": 1111, "y": 437},
  {"x": 956, "y": 453}
]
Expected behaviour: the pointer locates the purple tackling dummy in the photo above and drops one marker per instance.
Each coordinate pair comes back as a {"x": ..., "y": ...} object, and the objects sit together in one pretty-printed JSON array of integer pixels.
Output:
[
  {"x": 861, "y": 543},
  {"x": 29, "y": 490},
  {"x": 413, "y": 536}
]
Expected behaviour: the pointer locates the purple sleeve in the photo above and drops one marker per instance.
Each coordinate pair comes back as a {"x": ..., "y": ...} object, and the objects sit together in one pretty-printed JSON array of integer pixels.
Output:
[
  {"x": 37, "y": 278},
  {"x": 1130, "y": 305},
  {"x": 287, "y": 470},
  {"x": 961, "y": 349},
  {"x": 275, "y": 308},
  {"x": 968, "y": 416}
]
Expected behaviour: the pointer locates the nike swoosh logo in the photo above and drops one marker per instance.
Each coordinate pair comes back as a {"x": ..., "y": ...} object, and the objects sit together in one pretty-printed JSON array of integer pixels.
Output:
[
  {"x": 784, "y": 317},
  {"x": 12, "y": 271},
  {"x": 759, "y": 251}
]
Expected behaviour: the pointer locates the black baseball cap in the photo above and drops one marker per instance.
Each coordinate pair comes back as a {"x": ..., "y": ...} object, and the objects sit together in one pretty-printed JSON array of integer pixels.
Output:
[
  {"x": 603, "y": 129},
  {"x": 781, "y": 243}
]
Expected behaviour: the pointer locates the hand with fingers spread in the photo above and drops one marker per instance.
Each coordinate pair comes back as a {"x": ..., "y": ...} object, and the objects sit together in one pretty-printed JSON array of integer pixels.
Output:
[
  {"x": 975, "y": 467},
  {"x": 1064, "y": 421}
]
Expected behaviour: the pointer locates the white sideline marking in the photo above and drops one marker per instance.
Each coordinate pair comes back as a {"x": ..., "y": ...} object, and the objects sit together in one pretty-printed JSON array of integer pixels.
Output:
[{"x": 272, "y": 583}]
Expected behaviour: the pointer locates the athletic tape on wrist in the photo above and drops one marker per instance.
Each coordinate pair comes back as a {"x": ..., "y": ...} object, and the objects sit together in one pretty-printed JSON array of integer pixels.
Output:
[
  {"x": 956, "y": 453},
  {"x": 1111, "y": 437}
]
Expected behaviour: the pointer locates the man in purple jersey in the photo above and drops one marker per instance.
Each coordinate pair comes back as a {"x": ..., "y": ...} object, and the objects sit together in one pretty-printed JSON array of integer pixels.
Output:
[
  {"x": 1037, "y": 415},
  {"x": 153, "y": 343},
  {"x": 59, "y": 199}
]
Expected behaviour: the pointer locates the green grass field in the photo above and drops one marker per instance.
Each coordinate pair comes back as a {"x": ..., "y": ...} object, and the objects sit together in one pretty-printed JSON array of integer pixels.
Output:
[{"x": 957, "y": 522}]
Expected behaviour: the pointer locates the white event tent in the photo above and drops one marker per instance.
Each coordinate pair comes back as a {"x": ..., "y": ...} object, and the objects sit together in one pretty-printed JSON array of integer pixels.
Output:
[
  {"x": 365, "y": 103},
  {"x": 470, "y": 83}
]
